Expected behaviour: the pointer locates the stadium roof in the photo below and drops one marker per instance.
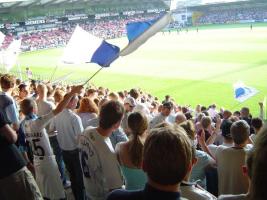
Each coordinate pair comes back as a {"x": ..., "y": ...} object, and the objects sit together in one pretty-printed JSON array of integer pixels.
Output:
[
  {"x": 4, "y": 4},
  {"x": 211, "y": 2}
]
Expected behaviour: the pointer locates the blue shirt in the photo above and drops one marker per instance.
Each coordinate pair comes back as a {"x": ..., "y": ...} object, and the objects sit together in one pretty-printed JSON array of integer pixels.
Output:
[
  {"x": 198, "y": 171},
  {"x": 149, "y": 193}
]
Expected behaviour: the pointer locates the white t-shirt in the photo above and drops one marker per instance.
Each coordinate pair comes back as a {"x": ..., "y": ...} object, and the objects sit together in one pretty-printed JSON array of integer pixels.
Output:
[
  {"x": 101, "y": 171},
  {"x": 231, "y": 178},
  {"x": 214, "y": 148},
  {"x": 69, "y": 126},
  {"x": 190, "y": 191},
  {"x": 36, "y": 134},
  {"x": 157, "y": 120}
]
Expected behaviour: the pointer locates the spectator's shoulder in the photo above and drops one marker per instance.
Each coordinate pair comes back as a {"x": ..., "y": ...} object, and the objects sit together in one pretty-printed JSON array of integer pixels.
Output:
[{"x": 125, "y": 195}]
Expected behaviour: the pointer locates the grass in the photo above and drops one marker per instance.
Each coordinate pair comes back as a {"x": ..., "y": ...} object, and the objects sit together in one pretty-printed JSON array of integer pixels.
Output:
[{"x": 191, "y": 67}]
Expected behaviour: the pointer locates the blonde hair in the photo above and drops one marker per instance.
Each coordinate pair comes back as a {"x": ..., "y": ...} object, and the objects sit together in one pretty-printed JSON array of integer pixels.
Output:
[{"x": 7, "y": 81}]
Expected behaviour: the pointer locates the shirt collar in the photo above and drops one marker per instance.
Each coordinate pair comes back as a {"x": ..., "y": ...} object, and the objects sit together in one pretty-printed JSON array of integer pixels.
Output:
[{"x": 153, "y": 193}]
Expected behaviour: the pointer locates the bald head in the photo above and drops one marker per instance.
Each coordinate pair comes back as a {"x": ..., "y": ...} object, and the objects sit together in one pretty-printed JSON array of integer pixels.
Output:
[{"x": 180, "y": 118}]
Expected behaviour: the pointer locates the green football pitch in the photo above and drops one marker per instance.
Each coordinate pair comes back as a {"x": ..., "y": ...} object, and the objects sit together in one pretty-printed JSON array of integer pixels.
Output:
[{"x": 193, "y": 67}]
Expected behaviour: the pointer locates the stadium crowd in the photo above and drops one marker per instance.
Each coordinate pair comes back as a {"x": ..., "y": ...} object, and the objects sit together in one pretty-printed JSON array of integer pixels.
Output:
[
  {"x": 125, "y": 145},
  {"x": 233, "y": 15},
  {"x": 59, "y": 36}
]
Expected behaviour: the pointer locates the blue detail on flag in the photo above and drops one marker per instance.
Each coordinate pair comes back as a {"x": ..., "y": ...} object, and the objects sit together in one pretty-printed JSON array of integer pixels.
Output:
[
  {"x": 135, "y": 29},
  {"x": 105, "y": 54},
  {"x": 239, "y": 92}
]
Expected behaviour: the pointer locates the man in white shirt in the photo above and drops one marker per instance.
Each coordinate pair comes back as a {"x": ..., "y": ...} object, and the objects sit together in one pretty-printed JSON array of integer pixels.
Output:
[
  {"x": 101, "y": 172},
  {"x": 227, "y": 138},
  {"x": 248, "y": 171},
  {"x": 191, "y": 190},
  {"x": 7, "y": 103},
  {"x": 45, "y": 107},
  {"x": 162, "y": 116},
  {"x": 69, "y": 127},
  {"x": 231, "y": 159},
  {"x": 47, "y": 174}
]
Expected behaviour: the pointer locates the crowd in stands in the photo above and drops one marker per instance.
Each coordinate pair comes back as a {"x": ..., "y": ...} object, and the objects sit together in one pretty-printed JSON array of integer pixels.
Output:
[
  {"x": 125, "y": 145},
  {"x": 106, "y": 29},
  {"x": 233, "y": 15}
]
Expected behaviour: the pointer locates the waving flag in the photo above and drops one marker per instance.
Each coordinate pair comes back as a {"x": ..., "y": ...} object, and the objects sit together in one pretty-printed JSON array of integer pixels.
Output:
[
  {"x": 2, "y": 38},
  {"x": 10, "y": 56},
  {"x": 243, "y": 92},
  {"x": 139, "y": 32},
  {"x": 86, "y": 48}
]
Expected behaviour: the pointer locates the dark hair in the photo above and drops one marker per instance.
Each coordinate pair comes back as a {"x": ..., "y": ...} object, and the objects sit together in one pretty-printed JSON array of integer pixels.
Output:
[
  {"x": 167, "y": 155},
  {"x": 111, "y": 113},
  {"x": 168, "y": 105},
  {"x": 226, "y": 128},
  {"x": 121, "y": 95},
  {"x": 240, "y": 131},
  {"x": 259, "y": 166},
  {"x": 134, "y": 93},
  {"x": 256, "y": 123},
  {"x": 27, "y": 106},
  {"x": 138, "y": 124}
]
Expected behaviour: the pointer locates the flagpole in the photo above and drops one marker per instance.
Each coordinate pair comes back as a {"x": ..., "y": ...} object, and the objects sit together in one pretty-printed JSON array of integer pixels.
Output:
[
  {"x": 53, "y": 74},
  {"x": 93, "y": 76}
]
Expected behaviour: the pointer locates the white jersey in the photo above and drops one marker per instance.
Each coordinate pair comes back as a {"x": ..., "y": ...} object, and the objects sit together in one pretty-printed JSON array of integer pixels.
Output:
[
  {"x": 36, "y": 134},
  {"x": 47, "y": 173},
  {"x": 101, "y": 171}
]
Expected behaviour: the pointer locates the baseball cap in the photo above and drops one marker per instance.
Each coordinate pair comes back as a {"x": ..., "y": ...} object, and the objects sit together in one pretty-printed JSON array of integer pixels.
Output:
[{"x": 130, "y": 101}]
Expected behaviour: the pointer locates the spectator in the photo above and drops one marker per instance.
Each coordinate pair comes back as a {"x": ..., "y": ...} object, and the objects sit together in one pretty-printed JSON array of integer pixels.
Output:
[
  {"x": 165, "y": 168},
  {"x": 204, "y": 160},
  {"x": 191, "y": 190},
  {"x": 180, "y": 118},
  {"x": 87, "y": 110},
  {"x": 247, "y": 169},
  {"x": 47, "y": 174},
  {"x": 231, "y": 159},
  {"x": 8, "y": 105},
  {"x": 259, "y": 175},
  {"x": 130, "y": 153},
  {"x": 256, "y": 124},
  {"x": 162, "y": 116},
  {"x": 100, "y": 167},
  {"x": 129, "y": 104},
  {"x": 16, "y": 181},
  {"x": 69, "y": 127}
]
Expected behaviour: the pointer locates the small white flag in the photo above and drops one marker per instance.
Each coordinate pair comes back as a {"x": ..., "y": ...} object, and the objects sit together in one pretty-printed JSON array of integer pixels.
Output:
[
  {"x": 243, "y": 92},
  {"x": 10, "y": 55}
]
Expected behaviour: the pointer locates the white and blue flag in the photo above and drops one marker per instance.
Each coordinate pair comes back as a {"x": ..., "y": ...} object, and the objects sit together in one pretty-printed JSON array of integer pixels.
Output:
[
  {"x": 84, "y": 47},
  {"x": 243, "y": 92},
  {"x": 139, "y": 32}
]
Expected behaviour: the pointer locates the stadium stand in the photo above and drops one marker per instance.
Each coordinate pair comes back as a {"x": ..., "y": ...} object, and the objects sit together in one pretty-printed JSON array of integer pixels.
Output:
[
  {"x": 160, "y": 145},
  {"x": 135, "y": 100}
]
